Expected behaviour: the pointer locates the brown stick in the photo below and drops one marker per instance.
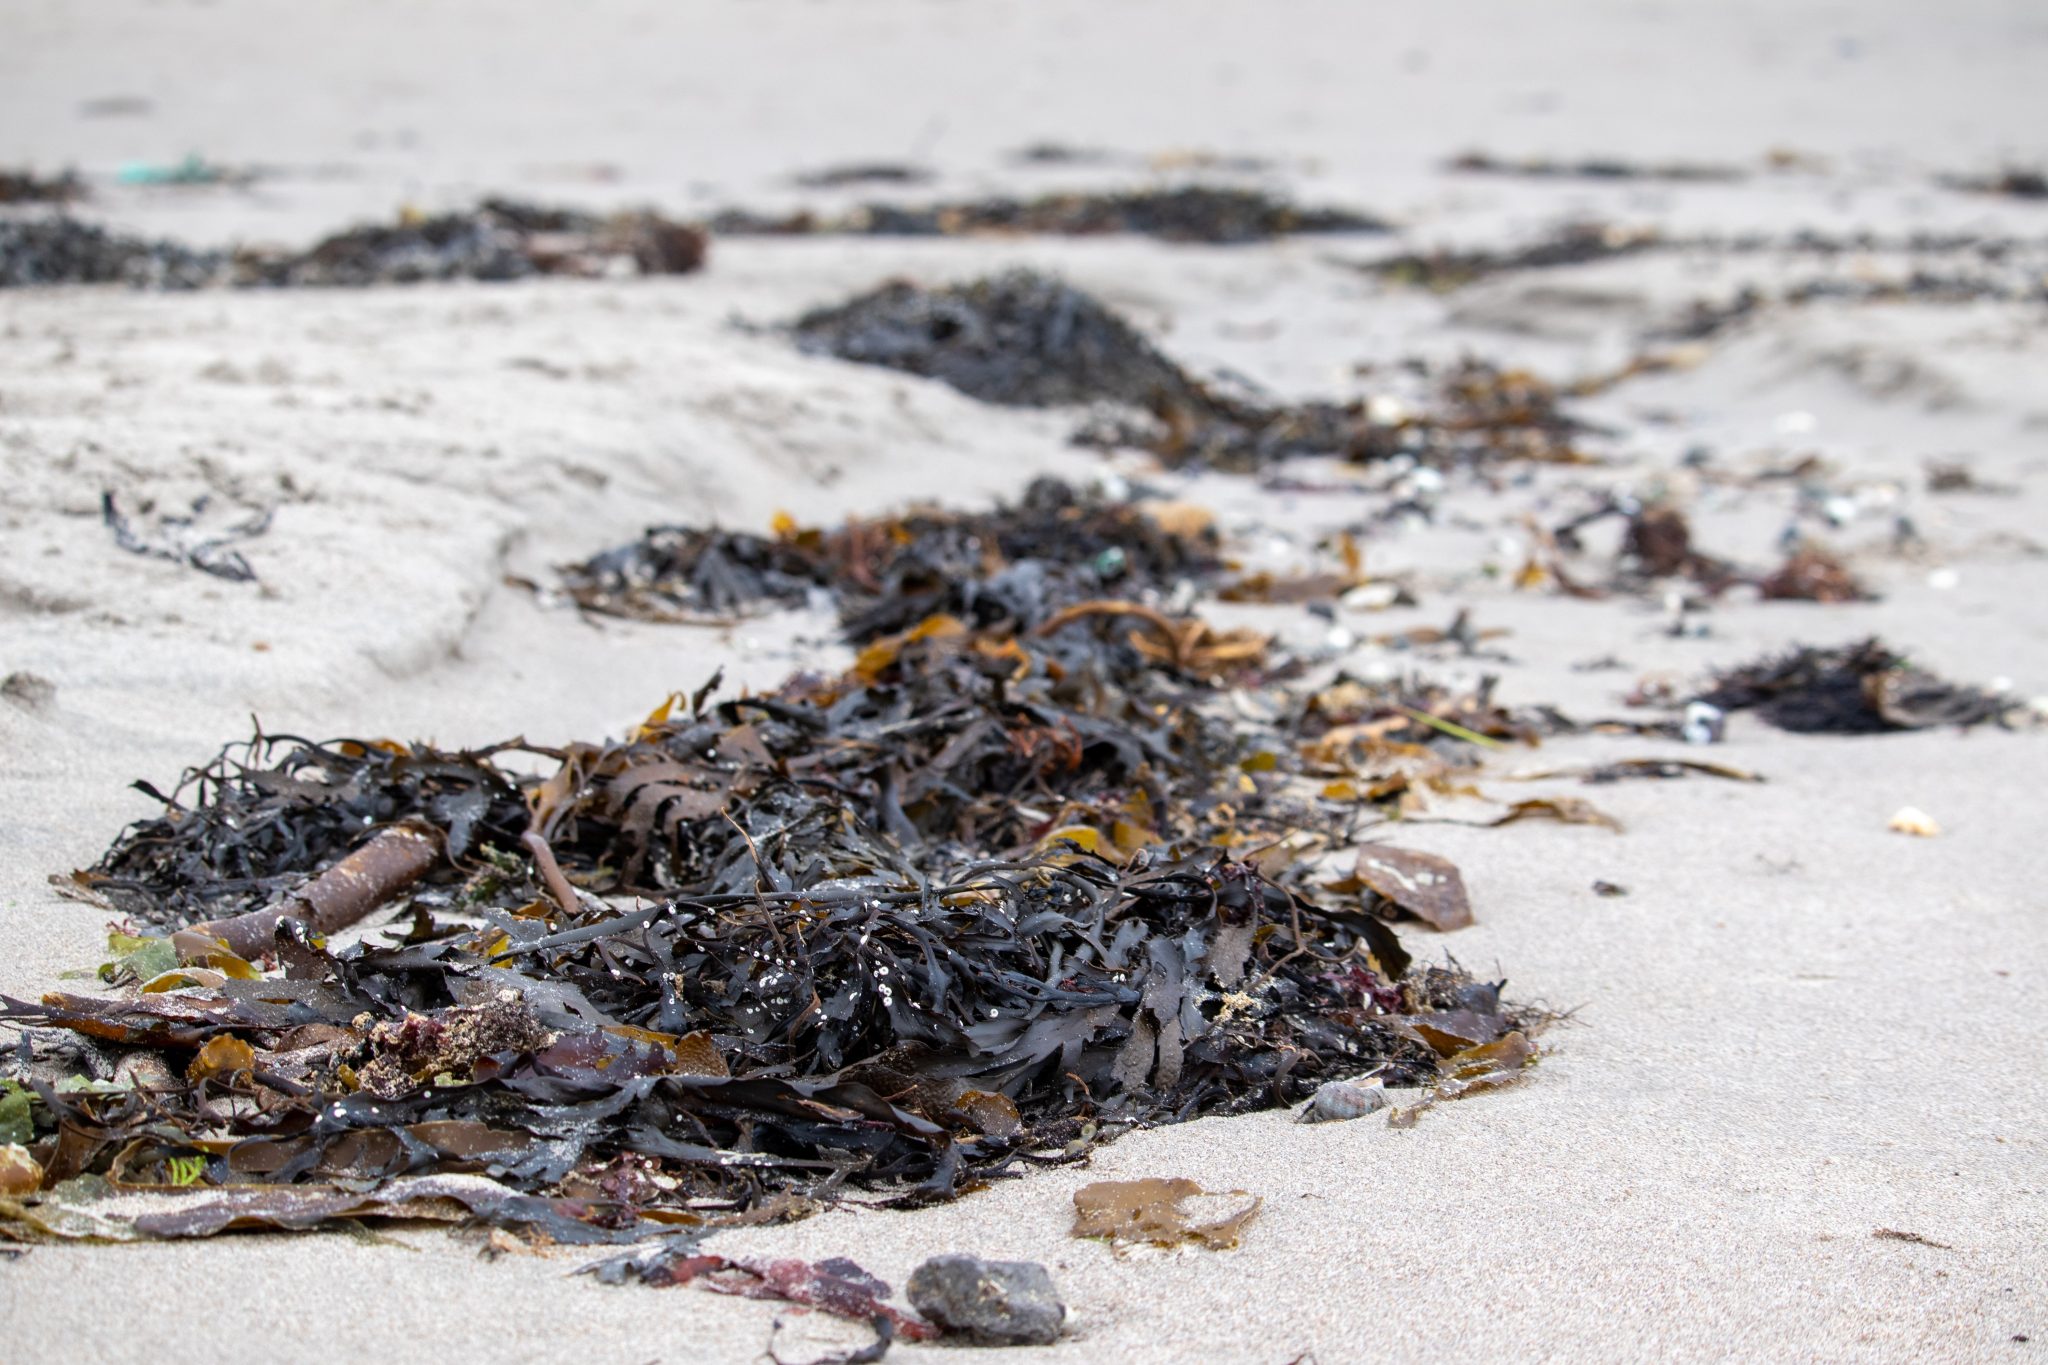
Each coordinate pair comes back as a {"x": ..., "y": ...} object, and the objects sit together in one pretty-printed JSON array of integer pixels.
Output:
[
  {"x": 551, "y": 873},
  {"x": 346, "y": 892}
]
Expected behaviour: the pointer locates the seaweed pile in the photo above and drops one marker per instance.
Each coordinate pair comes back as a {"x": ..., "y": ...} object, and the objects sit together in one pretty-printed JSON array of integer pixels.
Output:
[
  {"x": 26, "y": 187},
  {"x": 1218, "y": 215},
  {"x": 1856, "y": 689},
  {"x": 1021, "y": 339},
  {"x": 41, "y": 251},
  {"x": 1054, "y": 545},
  {"x": 1026, "y": 339},
  {"x": 497, "y": 240},
  {"x": 1012, "y": 883}
]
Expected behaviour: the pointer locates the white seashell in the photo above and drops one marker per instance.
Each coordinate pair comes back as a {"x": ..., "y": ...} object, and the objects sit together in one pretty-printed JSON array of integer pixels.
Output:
[{"x": 1914, "y": 821}]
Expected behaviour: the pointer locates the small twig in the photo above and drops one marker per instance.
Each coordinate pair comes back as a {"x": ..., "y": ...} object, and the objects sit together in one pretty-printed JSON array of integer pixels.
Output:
[{"x": 551, "y": 873}]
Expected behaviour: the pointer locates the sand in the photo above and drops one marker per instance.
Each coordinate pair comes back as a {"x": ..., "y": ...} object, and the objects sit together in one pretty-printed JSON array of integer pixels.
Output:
[{"x": 1797, "y": 1029}]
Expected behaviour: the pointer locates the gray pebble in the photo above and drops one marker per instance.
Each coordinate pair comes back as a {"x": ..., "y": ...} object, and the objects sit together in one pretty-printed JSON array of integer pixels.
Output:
[{"x": 993, "y": 1303}]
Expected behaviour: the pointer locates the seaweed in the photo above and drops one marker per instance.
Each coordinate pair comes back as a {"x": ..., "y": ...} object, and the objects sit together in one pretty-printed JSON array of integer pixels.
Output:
[
  {"x": 1014, "y": 882},
  {"x": 1220, "y": 215},
  {"x": 1594, "y": 168},
  {"x": 1166, "y": 1213},
  {"x": 1019, "y": 339},
  {"x": 1053, "y": 547},
  {"x": 1857, "y": 689},
  {"x": 1029, "y": 340},
  {"x": 1445, "y": 268},
  {"x": 63, "y": 250},
  {"x": 26, "y": 187},
  {"x": 497, "y": 240}
]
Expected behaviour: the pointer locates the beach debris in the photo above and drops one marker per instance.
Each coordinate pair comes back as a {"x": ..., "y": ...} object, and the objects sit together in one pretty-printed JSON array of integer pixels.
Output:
[
  {"x": 1019, "y": 339},
  {"x": 1421, "y": 885},
  {"x": 1811, "y": 574},
  {"x": 1445, "y": 268},
  {"x": 834, "y": 1285},
  {"x": 198, "y": 538},
  {"x": 994, "y": 1303},
  {"x": 1214, "y": 214},
  {"x": 1018, "y": 879},
  {"x": 1026, "y": 339},
  {"x": 1337, "y": 1101},
  {"x": 1467, "y": 1070},
  {"x": 1895, "y": 1235},
  {"x": 26, "y": 187},
  {"x": 1168, "y": 1212},
  {"x": 1053, "y": 546},
  {"x": 1914, "y": 821},
  {"x": 2014, "y": 182},
  {"x": 347, "y": 891},
  {"x": 862, "y": 173},
  {"x": 1956, "y": 476},
  {"x": 62, "y": 250},
  {"x": 1703, "y": 723},
  {"x": 1856, "y": 689},
  {"x": 1594, "y": 168},
  {"x": 1628, "y": 769},
  {"x": 1608, "y": 890},
  {"x": 497, "y": 240},
  {"x": 190, "y": 170},
  {"x": 1658, "y": 545}
]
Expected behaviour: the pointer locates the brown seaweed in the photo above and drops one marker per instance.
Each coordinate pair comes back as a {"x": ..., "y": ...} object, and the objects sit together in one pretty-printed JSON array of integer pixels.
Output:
[{"x": 1162, "y": 1212}]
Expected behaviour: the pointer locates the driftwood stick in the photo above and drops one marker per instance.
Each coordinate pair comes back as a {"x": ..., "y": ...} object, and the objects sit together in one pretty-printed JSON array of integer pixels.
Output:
[{"x": 346, "y": 892}]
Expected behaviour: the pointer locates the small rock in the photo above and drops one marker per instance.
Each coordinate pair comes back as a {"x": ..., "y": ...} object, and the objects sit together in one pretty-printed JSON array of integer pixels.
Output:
[
  {"x": 1335, "y": 1100},
  {"x": 994, "y": 1303}
]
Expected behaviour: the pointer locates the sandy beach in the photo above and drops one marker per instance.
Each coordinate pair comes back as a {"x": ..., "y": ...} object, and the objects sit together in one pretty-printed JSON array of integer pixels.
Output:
[{"x": 1797, "y": 1030}]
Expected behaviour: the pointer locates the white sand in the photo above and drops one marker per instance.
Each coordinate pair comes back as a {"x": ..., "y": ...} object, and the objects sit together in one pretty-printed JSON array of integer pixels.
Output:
[{"x": 1799, "y": 1028}]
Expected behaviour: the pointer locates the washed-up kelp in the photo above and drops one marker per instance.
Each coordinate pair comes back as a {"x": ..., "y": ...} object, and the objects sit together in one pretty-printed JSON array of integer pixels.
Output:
[
  {"x": 1573, "y": 244},
  {"x": 1188, "y": 213},
  {"x": 43, "y": 251},
  {"x": 196, "y": 537},
  {"x": 997, "y": 891},
  {"x": 26, "y": 187},
  {"x": 2014, "y": 183},
  {"x": 1595, "y": 168},
  {"x": 1021, "y": 339},
  {"x": 1025, "y": 339},
  {"x": 1857, "y": 689},
  {"x": 1054, "y": 547},
  {"x": 1658, "y": 544},
  {"x": 498, "y": 240}
]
